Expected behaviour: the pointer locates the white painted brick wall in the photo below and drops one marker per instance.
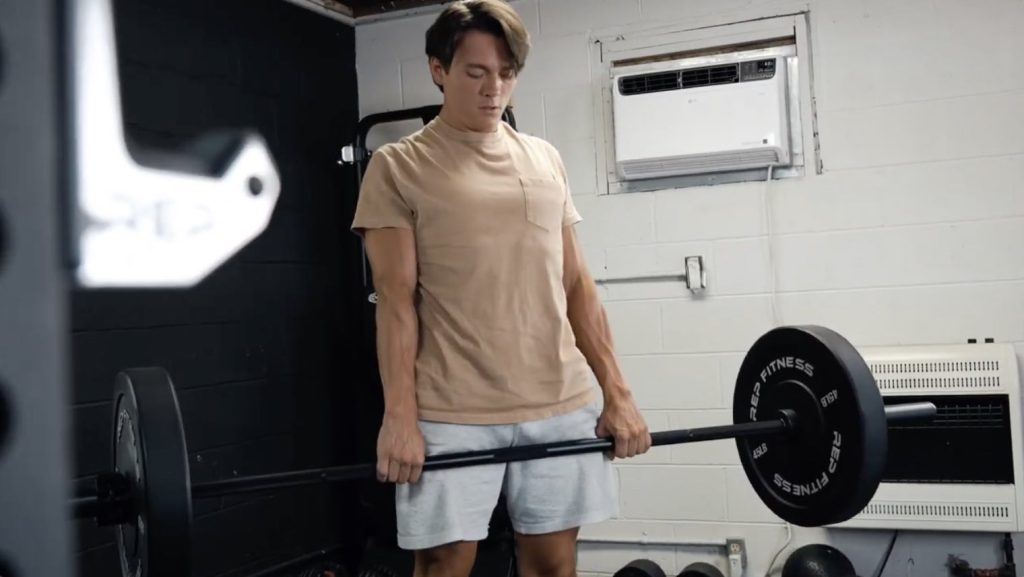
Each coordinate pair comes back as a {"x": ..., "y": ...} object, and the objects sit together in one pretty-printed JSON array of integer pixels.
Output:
[
  {"x": 914, "y": 233},
  {"x": 714, "y": 324},
  {"x": 528, "y": 108},
  {"x": 669, "y": 9},
  {"x": 934, "y": 130},
  {"x": 563, "y": 17},
  {"x": 418, "y": 88},
  {"x": 636, "y": 326},
  {"x": 975, "y": 189},
  {"x": 646, "y": 490},
  {"x": 732, "y": 211},
  {"x": 674, "y": 382},
  {"x": 567, "y": 118},
  {"x": 914, "y": 315},
  {"x": 616, "y": 220},
  {"x": 565, "y": 57},
  {"x": 921, "y": 63},
  {"x": 905, "y": 256}
]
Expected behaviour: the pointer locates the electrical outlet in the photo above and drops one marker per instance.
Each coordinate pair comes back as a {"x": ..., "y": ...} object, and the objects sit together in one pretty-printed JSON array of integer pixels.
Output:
[
  {"x": 696, "y": 274},
  {"x": 737, "y": 552}
]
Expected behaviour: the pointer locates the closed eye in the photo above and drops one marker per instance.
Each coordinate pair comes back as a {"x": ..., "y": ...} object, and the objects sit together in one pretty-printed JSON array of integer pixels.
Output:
[{"x": 479, "y": 72}]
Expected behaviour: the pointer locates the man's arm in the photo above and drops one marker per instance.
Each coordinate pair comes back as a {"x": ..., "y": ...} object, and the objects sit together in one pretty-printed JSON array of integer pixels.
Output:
[
  {"x": 400, "y": 447},
  {"x": 621, "y": 419}
]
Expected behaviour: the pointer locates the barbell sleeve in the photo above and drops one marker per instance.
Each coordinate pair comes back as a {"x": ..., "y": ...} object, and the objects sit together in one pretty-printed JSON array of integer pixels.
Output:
[{"x": 910, "y": 411}]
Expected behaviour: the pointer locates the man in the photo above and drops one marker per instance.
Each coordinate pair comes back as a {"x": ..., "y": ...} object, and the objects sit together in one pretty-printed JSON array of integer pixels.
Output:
[{"x": 489, "y": 323}]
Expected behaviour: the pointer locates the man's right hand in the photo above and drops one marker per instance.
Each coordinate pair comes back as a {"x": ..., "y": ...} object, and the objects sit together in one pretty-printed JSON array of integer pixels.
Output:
[{"x": 400, "y": 450}]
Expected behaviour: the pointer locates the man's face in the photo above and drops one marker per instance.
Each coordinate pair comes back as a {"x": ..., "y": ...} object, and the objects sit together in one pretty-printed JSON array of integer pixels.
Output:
[{"x": 479, "y": 83}]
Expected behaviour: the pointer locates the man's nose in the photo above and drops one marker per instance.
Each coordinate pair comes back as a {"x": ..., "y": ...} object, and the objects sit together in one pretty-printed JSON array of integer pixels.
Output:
[{"x": 492, "y": 86}]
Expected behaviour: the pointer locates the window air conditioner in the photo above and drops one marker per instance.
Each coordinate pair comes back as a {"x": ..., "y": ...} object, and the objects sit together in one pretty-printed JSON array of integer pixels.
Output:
[{"x": 676, "y": 120}]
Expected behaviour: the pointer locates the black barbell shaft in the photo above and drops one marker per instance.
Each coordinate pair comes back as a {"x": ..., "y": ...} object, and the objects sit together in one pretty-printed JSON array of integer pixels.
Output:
[
  {"x": 89, "y": 506},
  {"x": 272, "y": 481},
  {"x": 85, "y": 507},
  {"x": 475, "y": 458},
  {"x": 112, "y": 510}
]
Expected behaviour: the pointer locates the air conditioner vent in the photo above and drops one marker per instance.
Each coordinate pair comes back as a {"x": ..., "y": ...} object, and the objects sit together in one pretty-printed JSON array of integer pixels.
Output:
[
  {"x": 934, "y": 367},
  {"x": 691, "y": 78},
  {"x": 697, "y": 163},
  {"x": 711, "y": 75},
  {"x": 647, "y": 83},
  {"x": 933, "y": 375},
  {"x": 924, "y": 383},
  {"x": 937, "y": 511}
]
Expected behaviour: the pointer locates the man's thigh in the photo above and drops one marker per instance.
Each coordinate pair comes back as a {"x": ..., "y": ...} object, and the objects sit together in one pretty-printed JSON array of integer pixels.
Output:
[
  {"x": 451, "y": 505},
  {"x": 560, "y": 493}
]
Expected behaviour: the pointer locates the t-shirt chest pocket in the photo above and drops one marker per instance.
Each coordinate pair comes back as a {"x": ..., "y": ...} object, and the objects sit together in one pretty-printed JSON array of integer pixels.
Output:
[{"x": 545, "y": 201}]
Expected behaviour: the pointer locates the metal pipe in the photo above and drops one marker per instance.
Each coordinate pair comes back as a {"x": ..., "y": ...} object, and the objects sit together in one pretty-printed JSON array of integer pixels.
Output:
[
  {"x": 645, "y": 541},
  {"x": 647, "y": 278}
]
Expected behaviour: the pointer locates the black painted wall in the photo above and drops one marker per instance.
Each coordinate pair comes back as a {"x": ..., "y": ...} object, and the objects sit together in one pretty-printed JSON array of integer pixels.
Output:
[{"x": 259, "y": 350}]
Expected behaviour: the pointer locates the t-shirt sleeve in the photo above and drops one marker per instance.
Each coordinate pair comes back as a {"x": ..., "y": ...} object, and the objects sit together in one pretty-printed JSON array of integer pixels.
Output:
[
  {"x": 570, "y": 215},
  {"x": 381, "y": 204}
]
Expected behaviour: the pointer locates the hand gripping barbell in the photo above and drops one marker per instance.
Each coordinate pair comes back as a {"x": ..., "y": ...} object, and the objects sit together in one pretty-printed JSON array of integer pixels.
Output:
[{"x": 809, "y": 422}]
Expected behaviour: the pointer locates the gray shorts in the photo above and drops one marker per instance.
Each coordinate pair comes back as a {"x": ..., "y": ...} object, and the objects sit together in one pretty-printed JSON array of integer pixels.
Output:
[{"x": 543, "y": 495}]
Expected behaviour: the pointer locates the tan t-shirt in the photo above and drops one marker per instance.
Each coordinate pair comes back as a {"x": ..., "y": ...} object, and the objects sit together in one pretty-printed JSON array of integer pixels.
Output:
[{"x": 487, "y": 209}]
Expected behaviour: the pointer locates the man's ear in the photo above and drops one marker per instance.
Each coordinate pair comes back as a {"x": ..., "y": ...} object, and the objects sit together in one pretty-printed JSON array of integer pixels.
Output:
[{"x": 437, "y": 71}]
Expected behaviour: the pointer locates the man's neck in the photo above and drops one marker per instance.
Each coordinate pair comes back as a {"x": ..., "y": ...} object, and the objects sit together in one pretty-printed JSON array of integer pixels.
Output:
[{"x": 452, "y": 120}]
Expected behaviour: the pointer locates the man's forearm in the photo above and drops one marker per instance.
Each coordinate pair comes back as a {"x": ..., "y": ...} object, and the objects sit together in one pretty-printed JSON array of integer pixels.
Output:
[
  {"x": 594, "y": 338},
  {"x": 397, "y": 343}
]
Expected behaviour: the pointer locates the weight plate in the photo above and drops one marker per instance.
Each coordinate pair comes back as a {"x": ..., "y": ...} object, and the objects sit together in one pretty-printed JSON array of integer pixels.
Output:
[
  {"x": 640, "y": 568},
  {"x": 700, "y": 569},
  {"x": 149, "y": 449},
  {"x": 829, "y": 469}
]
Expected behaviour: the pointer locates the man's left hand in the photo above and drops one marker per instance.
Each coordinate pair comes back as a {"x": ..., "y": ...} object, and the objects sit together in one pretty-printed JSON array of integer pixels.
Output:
[{"x": 622, "y": 421}]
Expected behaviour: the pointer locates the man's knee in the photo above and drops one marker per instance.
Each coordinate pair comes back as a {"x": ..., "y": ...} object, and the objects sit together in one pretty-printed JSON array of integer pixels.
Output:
[
  {"x": 550, "y": 555},
  {"x": 450, "y": 560},
  {"x": 549, "y": 567}
]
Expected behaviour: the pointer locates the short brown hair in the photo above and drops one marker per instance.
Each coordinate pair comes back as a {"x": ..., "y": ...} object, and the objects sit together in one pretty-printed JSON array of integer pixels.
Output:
[{"x": 494, "y": 17}]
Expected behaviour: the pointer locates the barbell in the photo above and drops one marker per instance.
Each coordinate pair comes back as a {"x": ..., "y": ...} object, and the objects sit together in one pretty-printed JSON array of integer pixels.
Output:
[{"x": 809, "y": 423}]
